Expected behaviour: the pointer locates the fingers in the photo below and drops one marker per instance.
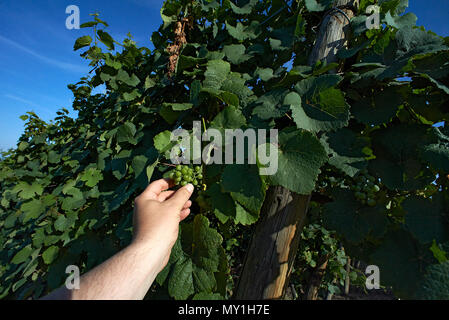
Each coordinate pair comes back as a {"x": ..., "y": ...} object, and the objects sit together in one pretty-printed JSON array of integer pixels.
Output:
[
  {"x": 184, "y": 214},
  {"x": 155, "y": 188},
  {"x": 165, "y": 195},
  {"x": 187, "y": 204},
  {"x": 180, "y": 197}
]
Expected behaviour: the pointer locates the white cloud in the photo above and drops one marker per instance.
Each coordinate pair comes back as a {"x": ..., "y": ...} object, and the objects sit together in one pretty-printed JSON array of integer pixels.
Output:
[
  {"x": 13, "y": 97},
  {"x": 28, "y": 103},
  {"x": 62, "y": 65}
]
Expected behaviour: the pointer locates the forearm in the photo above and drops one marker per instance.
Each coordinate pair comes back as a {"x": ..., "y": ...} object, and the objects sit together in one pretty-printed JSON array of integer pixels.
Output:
[
  {"x": 130, "y": 273},
  {"x": 126, "y": 275}
]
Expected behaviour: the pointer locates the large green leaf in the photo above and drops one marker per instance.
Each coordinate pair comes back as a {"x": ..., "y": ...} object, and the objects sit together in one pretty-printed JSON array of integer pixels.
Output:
[
  {"x": 242, "y": 32},
  {"x": 126, "y": 132},
  {"x": 229, "y": 118},
  {"x": 323, "y": 107},
  {"x": 415, "y": 41},
  {"x": 195, "y": 260},
  {"x": 220, "y": 203},
  {"x": 437, "y": 154},
  {"x": 22, "y": 255},
  {"x": 345, "y": 149},
  {"x": 180, "y": 285},
  {"x": 397, "y": 162},
  {"x": 106, "y": 39},
  {"x": 162, "y": 141},
  {"x": 271, "y": 104},
  {"x": 91, "y": 176},
  {"x": 236, "y": 53},
  {"x": 379, "y": 108},
  {"x": 216, "y": 73},
  {"x": 399, "y": 22},
  {"x": 124, "y": 77},
  {"x": 236, "y": 178},
  {"x": 50, "y": 254},
  {"x": 82, "y": 42},
  {"x": 242, "y": 7},
  {"x": 425, "y": 219},
  {"x": 282, "y": 39},
  {"x": 399, "y": 260},
  {"x": 28, "y": 191},
  {"x": 435, "y": 285},
  {"x": 227, "y": 97},
  {"x": 351, "y": 219},
  {"x": 300, "y": 156},
  {"x": 32, "y": 209}
]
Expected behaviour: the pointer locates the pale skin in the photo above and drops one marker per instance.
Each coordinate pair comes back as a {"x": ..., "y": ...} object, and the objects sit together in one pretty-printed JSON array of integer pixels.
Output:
[{"x": 129, "y": 274}]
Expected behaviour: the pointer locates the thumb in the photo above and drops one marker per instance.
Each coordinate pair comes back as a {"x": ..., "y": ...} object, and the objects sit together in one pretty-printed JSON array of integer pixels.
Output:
[{"x": 180, "y": 197}]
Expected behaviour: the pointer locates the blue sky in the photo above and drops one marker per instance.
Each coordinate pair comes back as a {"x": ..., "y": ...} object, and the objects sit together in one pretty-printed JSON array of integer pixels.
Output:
[{"x": 37, "y": 61}]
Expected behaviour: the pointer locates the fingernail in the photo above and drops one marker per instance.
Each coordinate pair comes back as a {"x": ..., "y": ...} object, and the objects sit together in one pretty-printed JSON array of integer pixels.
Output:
[{"x": 189, "y": 187}]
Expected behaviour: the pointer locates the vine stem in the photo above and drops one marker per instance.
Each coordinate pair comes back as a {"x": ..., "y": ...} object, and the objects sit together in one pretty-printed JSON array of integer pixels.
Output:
[
  {"x": 204, "y": 124},
  {"x": 168, "y": 164}
]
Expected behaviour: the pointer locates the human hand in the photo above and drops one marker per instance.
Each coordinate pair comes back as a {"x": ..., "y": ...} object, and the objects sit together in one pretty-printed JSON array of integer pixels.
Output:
[{"x": 157, "y": 214}]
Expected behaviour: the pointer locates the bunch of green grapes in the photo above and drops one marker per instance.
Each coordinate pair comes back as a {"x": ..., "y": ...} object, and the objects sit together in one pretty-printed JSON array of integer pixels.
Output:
[
  {"x": 366, "y": 188},
  {"x": 183, "y": 175}
]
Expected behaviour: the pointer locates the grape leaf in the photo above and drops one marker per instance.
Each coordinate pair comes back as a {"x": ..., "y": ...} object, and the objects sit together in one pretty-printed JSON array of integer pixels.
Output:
[
  {"x": 22, "y": 255},
  {"x": 82, "y": 42},
  {"x": 344, "y": 148},
  {"x": 398, "y": 260},
  {"x": 435, "y": 285},
  {"x": 300, "y": 156},
  {"x": 192, "y": 266},
  {"x": 323, "y": 107},
  {"x": 28, "y": 191},
  {"x": 236, "y": 53},
  {"x": 234, "y": 179},
  {"x": 91, "y": 176},
  {"x": 425, "y": 219},
  {"x": 50, "y": 254},
  {"x": 355, "y": 222},
  {"x": 216, "y": 73}
]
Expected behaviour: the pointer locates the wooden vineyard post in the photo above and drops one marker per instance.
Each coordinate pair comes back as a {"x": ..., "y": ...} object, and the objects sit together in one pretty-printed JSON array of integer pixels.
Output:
[{"x": 269, "y": 259}]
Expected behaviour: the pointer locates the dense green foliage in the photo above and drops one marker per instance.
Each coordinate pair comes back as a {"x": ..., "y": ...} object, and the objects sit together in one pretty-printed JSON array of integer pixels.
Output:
[
  {"x": 319, "y": 245},
  {"x": 67, "y": 190}
]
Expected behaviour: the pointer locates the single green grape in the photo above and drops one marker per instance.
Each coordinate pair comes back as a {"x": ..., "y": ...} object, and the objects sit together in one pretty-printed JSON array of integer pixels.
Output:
[
  {"x": 197, "y": 168},
  {"x": 183, "y": 183},
  {"x": 200, "y": 176},
  {"x": 371, "y": 202},
  {"x": 178, "y": 167}
]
